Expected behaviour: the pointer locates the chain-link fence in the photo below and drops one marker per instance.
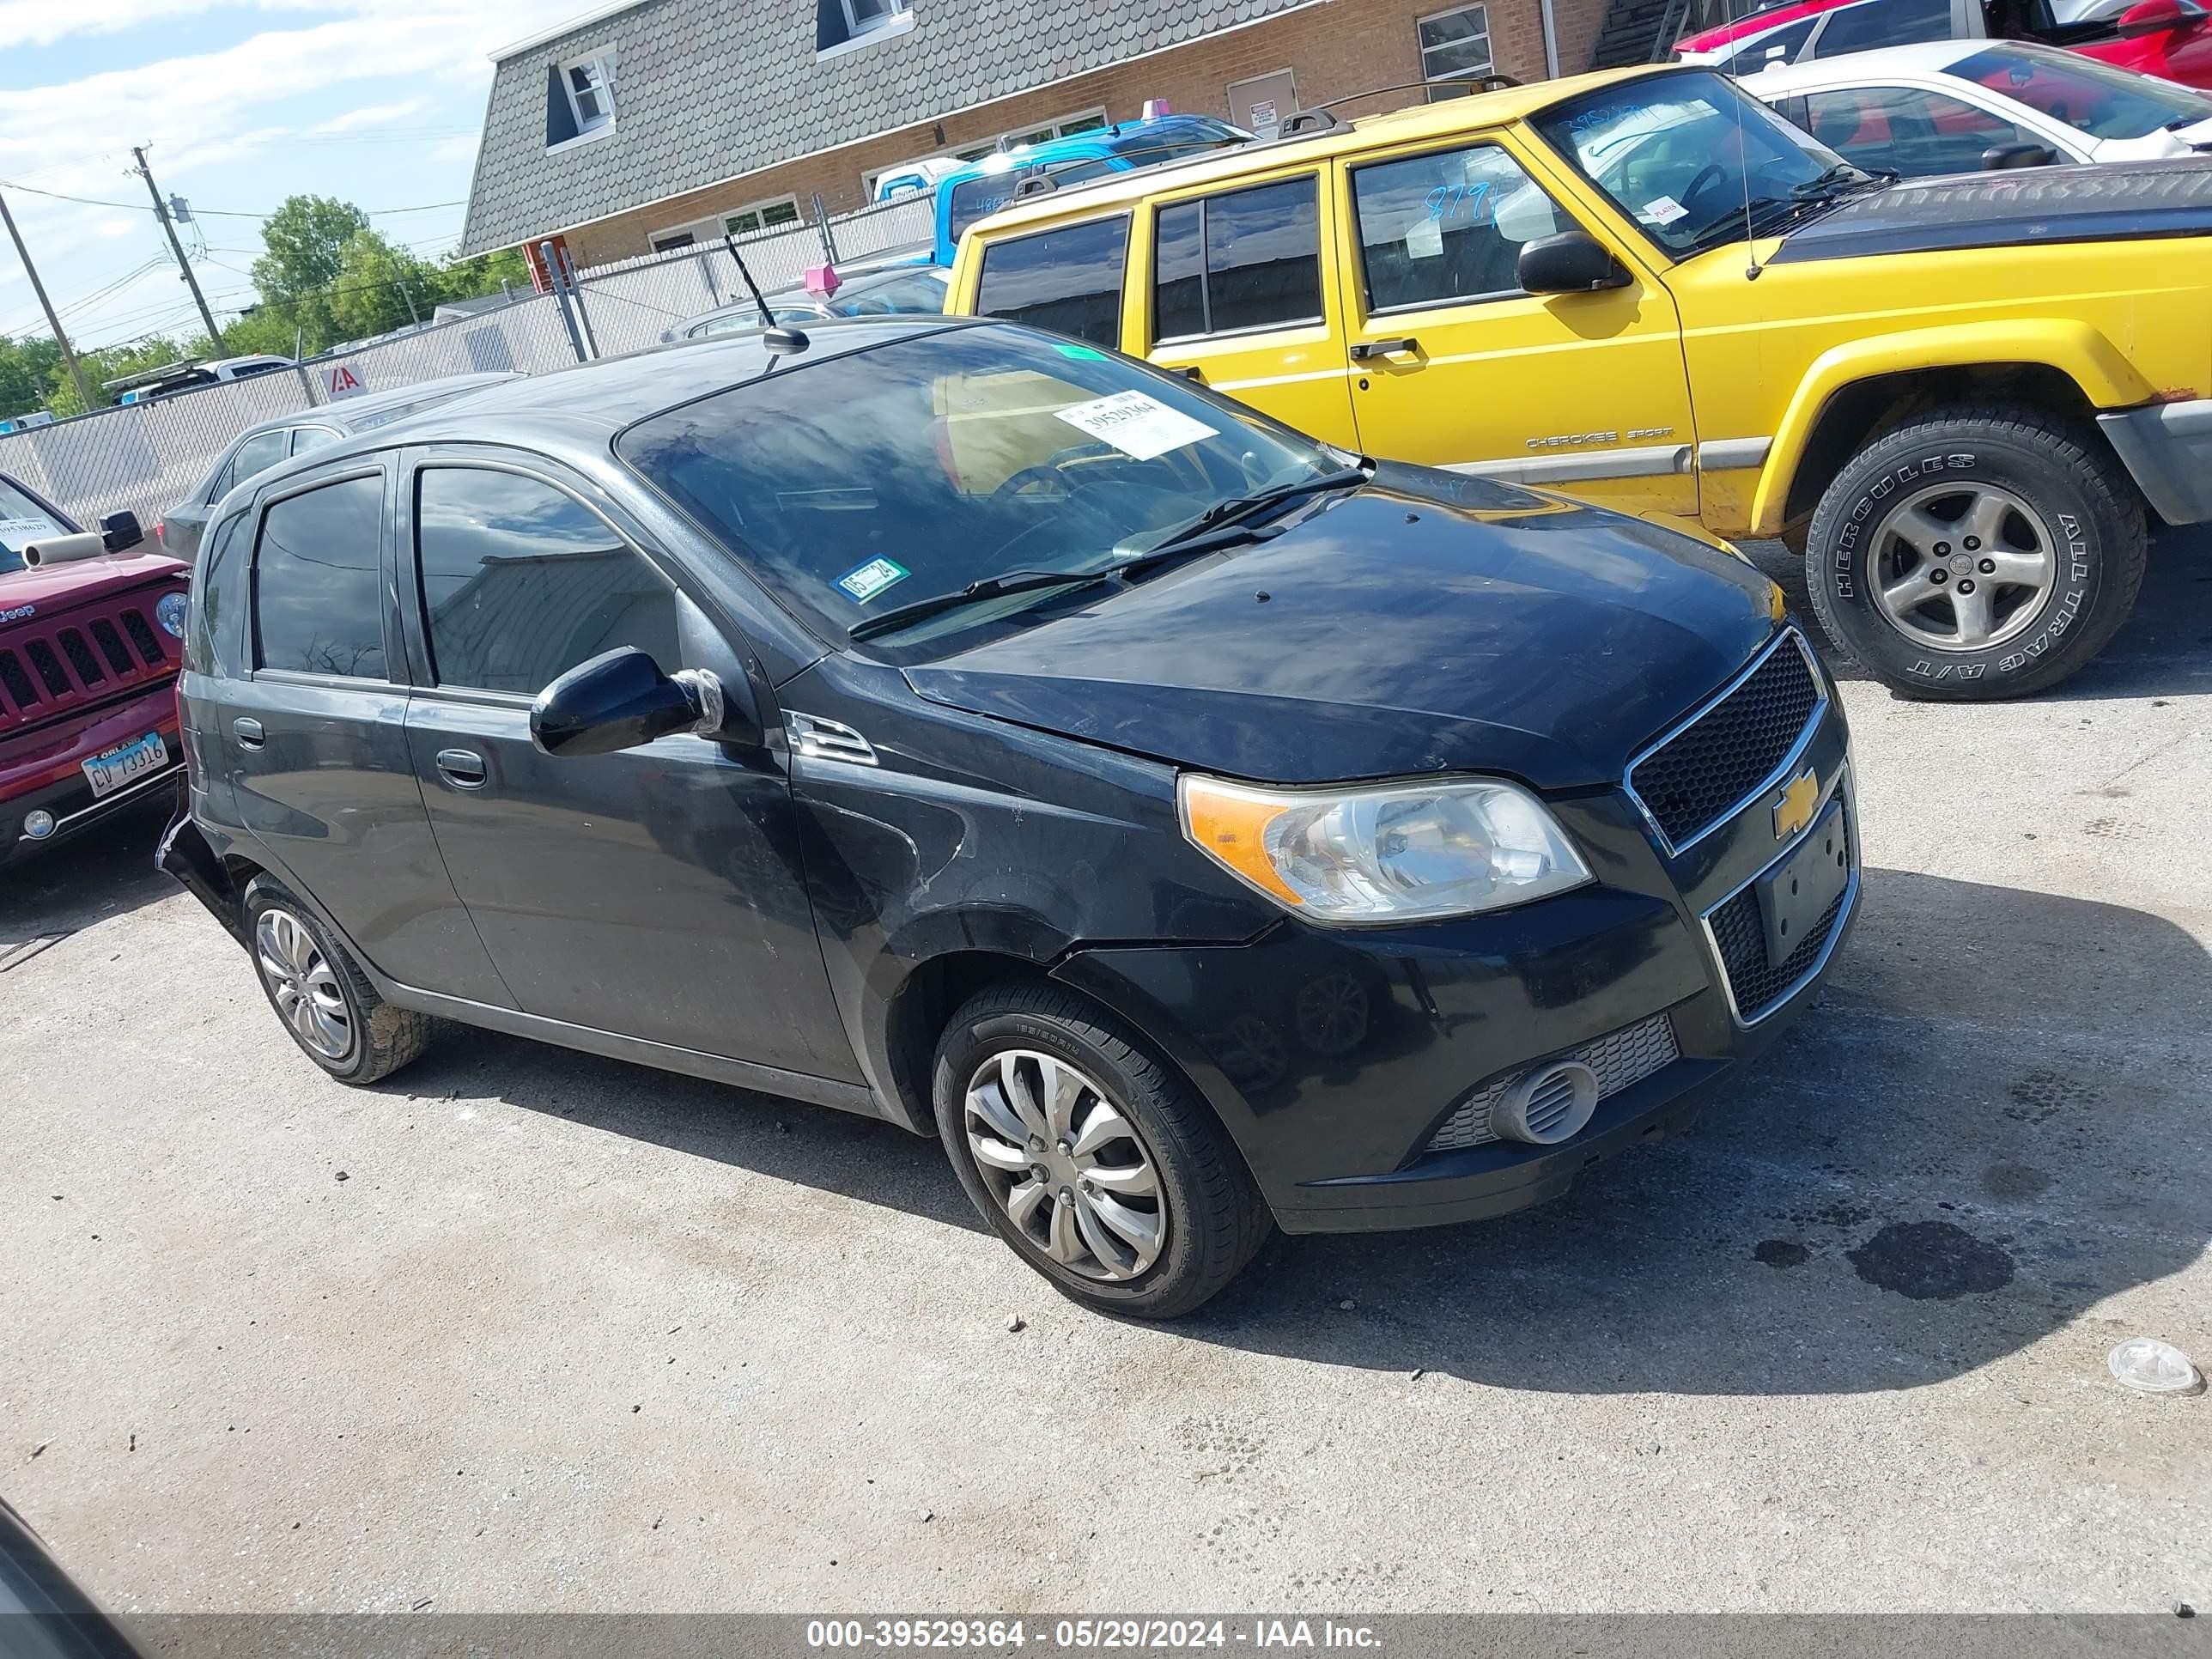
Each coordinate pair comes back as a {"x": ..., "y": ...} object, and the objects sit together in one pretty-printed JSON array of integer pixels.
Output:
[{"x": 145, "y": 458}]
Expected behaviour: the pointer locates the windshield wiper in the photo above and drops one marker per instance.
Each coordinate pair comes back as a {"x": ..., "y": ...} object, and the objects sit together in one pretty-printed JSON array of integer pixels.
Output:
[
  {"x": 1237, "y": 508},
  {"x": 1730, "y": 225},
  {"x": 991, "y": 587}
]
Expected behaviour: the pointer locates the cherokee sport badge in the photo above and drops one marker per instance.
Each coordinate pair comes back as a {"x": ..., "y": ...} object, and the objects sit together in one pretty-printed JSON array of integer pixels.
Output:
[{"x": 1794, "y": 810}]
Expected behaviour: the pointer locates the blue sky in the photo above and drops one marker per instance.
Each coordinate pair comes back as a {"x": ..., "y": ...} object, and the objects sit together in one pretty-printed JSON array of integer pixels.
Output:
[{"x": 378, "y": 102}]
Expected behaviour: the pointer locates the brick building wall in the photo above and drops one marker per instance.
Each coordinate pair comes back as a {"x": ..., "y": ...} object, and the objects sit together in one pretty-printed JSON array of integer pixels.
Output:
[{"x": 1335, "y": 49}]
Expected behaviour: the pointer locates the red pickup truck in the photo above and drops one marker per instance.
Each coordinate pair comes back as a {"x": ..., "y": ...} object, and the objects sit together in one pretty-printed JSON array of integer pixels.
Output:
[{"x": 90, "y": 643}]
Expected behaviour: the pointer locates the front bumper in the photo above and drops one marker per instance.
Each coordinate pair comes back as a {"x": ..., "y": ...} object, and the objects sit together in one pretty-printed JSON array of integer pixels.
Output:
[
  {"x": 1345, "y": 1062},
  {"x": 53, "y": 781},
  {"x": 2167, "y": 449}
]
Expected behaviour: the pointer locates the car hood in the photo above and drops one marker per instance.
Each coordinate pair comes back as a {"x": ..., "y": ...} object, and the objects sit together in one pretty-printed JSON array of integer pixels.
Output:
[
  {"x": 1427, "y": 623},
  {"x": 24, "y": 594},
  {"x": 2166, "y": 141},
  {"x": 2105, "y": 201}
]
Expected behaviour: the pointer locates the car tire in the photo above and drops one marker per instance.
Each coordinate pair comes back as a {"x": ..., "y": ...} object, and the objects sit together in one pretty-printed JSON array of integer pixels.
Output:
[
  {"x": 320, "y": 996},
  {"x": 1213, "y": 1220},
  {"x": 1885, "y": 570}
]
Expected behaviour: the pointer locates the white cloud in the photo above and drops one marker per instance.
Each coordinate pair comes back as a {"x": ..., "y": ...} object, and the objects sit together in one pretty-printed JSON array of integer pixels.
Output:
[{"x": 372, "y": 115}]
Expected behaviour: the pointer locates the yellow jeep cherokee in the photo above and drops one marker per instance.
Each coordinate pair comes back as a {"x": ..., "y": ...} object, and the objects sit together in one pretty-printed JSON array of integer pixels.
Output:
[{"x": 1957, "y": 397}]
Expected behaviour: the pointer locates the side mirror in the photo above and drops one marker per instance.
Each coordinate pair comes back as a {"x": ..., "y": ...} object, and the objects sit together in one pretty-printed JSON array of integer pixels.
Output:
[
  {"x": 1572, "y": 261},
  {"x": 120, "y": 531},
  {"x": 622, "y": 701},
  {"x": 2156, "y": 16},
  {"x": 2004, "y": 158}
]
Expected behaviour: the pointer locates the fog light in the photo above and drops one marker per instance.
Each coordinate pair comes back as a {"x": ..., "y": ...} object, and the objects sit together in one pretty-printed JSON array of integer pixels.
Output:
[{"x": 37, "y": 825}]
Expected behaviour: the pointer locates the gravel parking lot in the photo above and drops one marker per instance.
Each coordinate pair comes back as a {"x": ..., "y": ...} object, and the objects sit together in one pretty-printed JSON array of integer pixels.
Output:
[{"x": 523, "y": 1329}]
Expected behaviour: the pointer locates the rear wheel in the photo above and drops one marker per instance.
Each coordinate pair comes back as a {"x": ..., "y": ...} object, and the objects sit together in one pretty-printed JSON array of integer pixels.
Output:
[
  {"x": 325, "y": 1001},
  {"x": 1979, "y": 553},
  {"x": 1099, "y": 1166}
]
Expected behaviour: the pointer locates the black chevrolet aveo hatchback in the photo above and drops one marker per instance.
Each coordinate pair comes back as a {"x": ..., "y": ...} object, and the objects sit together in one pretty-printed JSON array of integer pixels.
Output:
[{"x": 1193, "y": 827}]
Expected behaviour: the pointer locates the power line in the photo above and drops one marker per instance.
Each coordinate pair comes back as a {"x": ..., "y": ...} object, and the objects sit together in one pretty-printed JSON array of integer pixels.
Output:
[{"x": 219, "y": 213}]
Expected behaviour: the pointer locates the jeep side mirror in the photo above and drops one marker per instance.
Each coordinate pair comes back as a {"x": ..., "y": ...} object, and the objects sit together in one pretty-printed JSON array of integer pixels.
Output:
[
  {"x": 1572, "y": 261},
  {"x": 2004, "y": 158},
  {"x": 622, "y": 701},
  {"x": 2156, "y": 16},
  {"x": 120, "y": 531}
]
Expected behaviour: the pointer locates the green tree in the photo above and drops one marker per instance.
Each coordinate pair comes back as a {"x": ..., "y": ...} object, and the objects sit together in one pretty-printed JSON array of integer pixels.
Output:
[
  {"x": 306, "y": 238},
  {"x": 28, "y": 368},
  {"x": 380, "y": 287}
]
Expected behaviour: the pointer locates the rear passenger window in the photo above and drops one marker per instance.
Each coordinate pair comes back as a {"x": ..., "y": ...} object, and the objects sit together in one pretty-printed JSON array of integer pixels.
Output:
[
  {"x": 211, "y": 640},
  {"x": 1069, "y": 281},
  {"x": 256, "y": 455},
  {"x": 1250, "y": 258},
  {"x": 521, "y": 582},
  {"x": 1446, "y": 227},
  {"x": 316, "y": 603}
]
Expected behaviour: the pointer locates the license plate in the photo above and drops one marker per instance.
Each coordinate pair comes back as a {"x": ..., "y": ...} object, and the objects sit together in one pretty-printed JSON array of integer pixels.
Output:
[
  {"x": 1795, "y": 897},
  {"x": 111, "y": 771}
]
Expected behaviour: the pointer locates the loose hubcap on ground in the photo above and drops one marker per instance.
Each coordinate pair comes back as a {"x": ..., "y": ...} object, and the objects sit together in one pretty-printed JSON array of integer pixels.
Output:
[
  {"x": 1960, "y": 566},
  {"x": 302, "y": 985},
  {"x": 1069, "y": 1168}
]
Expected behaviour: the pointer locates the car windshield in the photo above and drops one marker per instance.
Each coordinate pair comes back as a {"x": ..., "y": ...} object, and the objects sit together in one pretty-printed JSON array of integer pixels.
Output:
[
  {"x": 1681, "y": 154},
  {"x": 861, "y": 483},
  {"x": 22, "y": 521},
  {"x": 2089, "y": 96}
]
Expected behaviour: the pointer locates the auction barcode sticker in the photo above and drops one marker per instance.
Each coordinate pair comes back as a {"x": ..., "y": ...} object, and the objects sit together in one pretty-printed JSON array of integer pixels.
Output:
[{"x": 1139, "y": 427}]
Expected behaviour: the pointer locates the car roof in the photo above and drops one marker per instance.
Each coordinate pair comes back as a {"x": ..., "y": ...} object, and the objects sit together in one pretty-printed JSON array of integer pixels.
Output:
[
  {"x": 1081, "y": 146},
  {"x": 343, "y": 413},
  {"x": 1923, "y": 57},
  {"x": 865, "y": 282},
  {"x": 1448, "y": 118},
  {"x": 577, "y": 409}
]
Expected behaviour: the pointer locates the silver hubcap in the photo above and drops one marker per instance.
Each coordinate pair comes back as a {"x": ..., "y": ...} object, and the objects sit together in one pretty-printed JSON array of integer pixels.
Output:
[
  {"x": 1070, "y": 1169},
  {"x": 302, "y": 985},
  {"x": 1962, "y": 566}
]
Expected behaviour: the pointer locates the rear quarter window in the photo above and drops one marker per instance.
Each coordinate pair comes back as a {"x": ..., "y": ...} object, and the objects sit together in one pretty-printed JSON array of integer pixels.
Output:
[
  {"x": 1068, "y": 280},
  {"x": 211, "y": 642}
]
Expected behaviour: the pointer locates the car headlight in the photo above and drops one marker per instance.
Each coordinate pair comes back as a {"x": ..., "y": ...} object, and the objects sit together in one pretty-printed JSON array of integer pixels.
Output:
[
  {"x": 1401, "y": 851},
  {"x": 169, "y": 611}
]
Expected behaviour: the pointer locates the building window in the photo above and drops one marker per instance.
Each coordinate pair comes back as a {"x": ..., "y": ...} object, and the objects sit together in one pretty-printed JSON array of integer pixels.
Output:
[
  {"x": 591, "y": 85},
  {"x": 758, "y": 216},
  {"x": 863, "y": 16},
  {"x": 1455, "y": 51}
]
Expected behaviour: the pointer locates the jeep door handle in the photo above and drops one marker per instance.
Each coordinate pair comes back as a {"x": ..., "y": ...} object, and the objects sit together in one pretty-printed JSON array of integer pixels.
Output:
[
  {"x": 1363, "y": 349},
  {"x": 461, "y": 768},
  {"x": 248, "y": 734}
]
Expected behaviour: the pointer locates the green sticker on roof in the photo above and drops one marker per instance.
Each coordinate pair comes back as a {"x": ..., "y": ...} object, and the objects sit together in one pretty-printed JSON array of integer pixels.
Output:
[{"x": 1082, "y": 354}]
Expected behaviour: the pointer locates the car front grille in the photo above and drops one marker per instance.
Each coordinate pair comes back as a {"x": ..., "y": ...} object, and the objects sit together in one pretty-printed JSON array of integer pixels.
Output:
[
  {"x": 1709, "y": 768},
  {"x": 1628, "y": 1055},
  {"x": 1740, "y": 935},
  {"x": 49, "y": 668}
]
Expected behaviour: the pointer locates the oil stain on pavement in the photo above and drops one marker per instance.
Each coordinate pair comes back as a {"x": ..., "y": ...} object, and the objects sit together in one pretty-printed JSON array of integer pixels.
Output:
[{"x": 1931, "y": 1261}]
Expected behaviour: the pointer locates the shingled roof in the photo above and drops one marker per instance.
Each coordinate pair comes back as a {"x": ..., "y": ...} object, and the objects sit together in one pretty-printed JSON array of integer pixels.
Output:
[{"x": 707, "y": 89}]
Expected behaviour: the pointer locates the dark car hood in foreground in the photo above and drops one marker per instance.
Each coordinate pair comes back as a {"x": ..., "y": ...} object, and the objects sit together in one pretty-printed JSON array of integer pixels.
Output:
[
  {"x": 2109, "y": 202},
  {"x": 1429, "y": 623}
]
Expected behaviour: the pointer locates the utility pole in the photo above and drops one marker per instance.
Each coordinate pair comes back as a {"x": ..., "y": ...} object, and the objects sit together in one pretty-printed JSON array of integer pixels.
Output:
[
  {"x": 68, "y": 356},
  {"x": 161, "y": 212}
]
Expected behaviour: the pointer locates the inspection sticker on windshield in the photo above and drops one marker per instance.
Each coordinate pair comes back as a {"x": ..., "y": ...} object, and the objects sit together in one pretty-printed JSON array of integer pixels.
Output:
[
  {"x": 1664, "y": 211},
  {"x": 22, "y": 533},
  {"x": 1139, "y": 427},
  {"x": 863, "y": 582}
]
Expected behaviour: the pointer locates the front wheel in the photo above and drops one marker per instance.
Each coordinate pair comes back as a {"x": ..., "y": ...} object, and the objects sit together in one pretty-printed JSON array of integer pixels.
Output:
[
  {"x": 1099, "y": 1165},
  {"x": 1976, "y": 554}
]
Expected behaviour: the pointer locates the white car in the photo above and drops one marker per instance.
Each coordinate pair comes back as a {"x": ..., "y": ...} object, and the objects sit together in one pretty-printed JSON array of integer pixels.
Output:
[{"x": 1942, "y": 105}]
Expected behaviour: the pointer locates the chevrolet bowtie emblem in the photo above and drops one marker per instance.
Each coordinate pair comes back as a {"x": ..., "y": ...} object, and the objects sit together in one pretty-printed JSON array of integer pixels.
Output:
[{"x": 1794, "y": 810}]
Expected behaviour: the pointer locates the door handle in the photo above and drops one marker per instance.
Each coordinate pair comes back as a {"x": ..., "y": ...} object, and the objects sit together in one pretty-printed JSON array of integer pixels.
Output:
[
  {"x": 461, "y": 768},
  {"x": 248, "y": 734},
  {"x": 1363, "y": 349}
]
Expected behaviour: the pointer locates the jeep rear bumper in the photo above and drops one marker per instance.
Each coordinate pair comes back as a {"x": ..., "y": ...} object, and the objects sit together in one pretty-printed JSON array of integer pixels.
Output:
[{"x": 2167, "y": 450}]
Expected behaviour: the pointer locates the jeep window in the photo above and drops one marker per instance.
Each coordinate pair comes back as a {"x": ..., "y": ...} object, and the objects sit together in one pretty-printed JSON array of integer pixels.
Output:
[
  {"x": 1447, "y": 227},
  {"x": 316, "y": 603},
  {"x": 857, "y": 483},
  {"x": 22, "y": 520},
  {"x": 1683, "y": 154},
  {"x": 2096, "y": 98},
  {"x": 1068, "y": 280},
  {"x": 521, "y": 582},
  {"x": 1916, "y": 133},
  {"x": 1247, "y": 258}
]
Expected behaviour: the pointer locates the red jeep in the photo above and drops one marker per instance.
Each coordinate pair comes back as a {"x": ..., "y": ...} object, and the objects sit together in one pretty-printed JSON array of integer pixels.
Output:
[{"x": 91, "y": 636}]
